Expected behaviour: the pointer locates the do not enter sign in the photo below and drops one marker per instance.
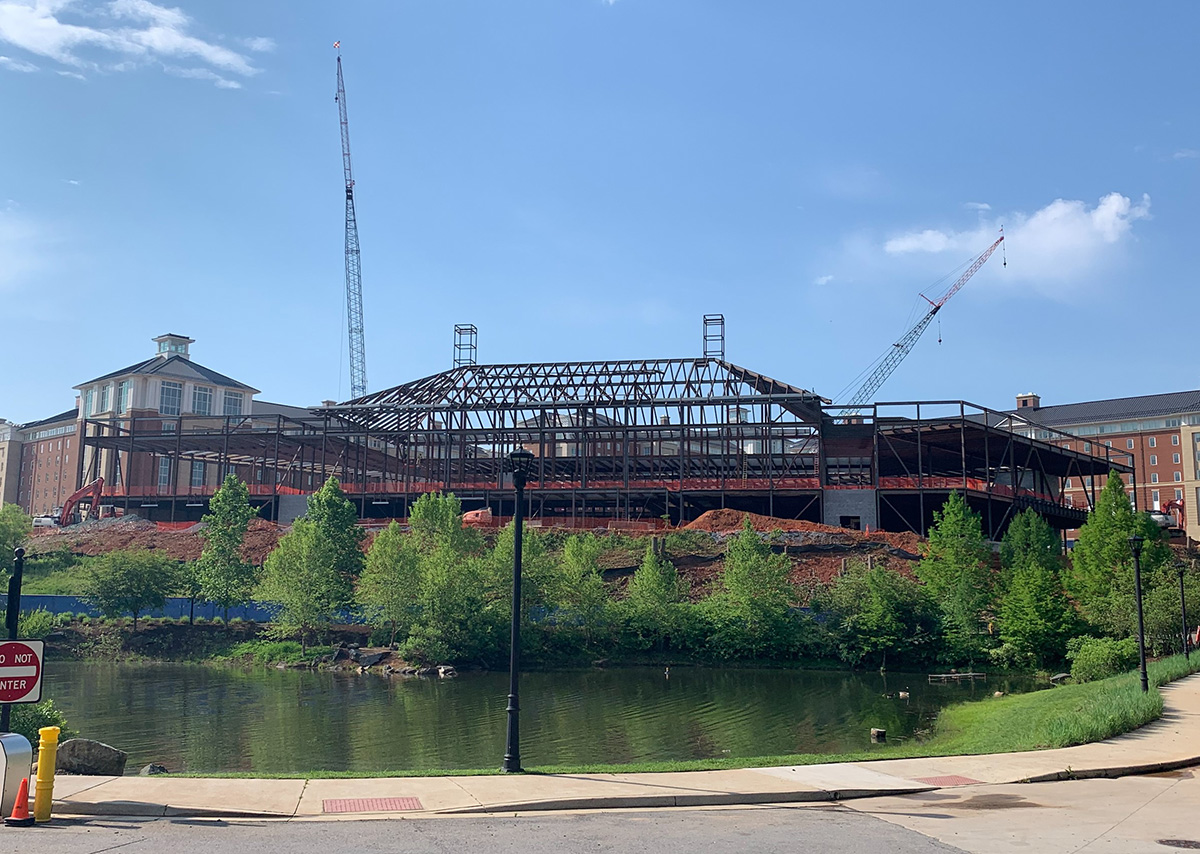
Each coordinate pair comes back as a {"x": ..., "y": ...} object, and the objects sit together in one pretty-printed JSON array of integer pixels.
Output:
[{"x": 21, "y": 671}]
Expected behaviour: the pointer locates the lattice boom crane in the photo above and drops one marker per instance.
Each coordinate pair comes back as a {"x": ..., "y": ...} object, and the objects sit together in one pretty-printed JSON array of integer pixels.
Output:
[
  {"x": 902, "y": 347},
  {"x": 354, "y": 299}
]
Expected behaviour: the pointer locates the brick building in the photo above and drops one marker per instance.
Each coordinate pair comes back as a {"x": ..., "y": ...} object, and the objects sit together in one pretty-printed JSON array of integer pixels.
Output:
[
  {"x": 49, "y": 454},
  {"x": 49, "y": 457},
  {"x": 1160, "y": 433}
]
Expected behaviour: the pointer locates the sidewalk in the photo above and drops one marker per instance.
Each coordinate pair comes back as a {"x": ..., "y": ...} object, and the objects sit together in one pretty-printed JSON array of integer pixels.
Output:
[{"x": 1170, "y": 743}]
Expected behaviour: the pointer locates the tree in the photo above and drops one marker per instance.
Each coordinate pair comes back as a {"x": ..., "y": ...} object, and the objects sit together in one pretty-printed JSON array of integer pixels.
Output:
[
  {"x": 956, "y": 571},
  {"x": 879, "y": 611},
  {"x": 389, "y": 587},
  {"x": 1101, "y": 576},
  {"x": 654, "y": 599},
  {"x": 1036, "y": 620},
  {"x": 336, "y": 522},
  {"x": 302, "y": 579},
  {"x": 580, "y": 594},
  {"x": 436, "y": 520},
  {"x": 129, "y": 582},
  {"x": 225, "y": 578},
  {"x": 751, "y": 614},
  {"x": 189, "y": 585},
  {"x": 15, "y": 528}
]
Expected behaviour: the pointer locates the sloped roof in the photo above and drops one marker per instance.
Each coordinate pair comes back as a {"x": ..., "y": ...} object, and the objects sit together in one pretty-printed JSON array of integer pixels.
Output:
[
  {"x": 71, "y": 414},
  {"x": 174, "y": 366},
  {"x": 1115, "y": 409},
  {"x": 616, "y": 383}
]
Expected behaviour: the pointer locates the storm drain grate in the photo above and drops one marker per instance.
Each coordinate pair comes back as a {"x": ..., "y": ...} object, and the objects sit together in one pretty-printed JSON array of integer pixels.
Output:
[
  {"x": 370, "y": 804},
  {"x": 948, "y": 780}
]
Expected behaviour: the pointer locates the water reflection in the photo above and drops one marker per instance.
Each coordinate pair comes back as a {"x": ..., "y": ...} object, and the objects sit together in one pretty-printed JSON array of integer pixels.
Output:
[{"x": 203, "y": 719}]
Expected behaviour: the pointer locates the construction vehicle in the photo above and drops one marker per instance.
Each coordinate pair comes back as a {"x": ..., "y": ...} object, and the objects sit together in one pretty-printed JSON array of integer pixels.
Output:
[
  {"x": 92, "y": 490},
  {"x": 1170, "y": 516}
]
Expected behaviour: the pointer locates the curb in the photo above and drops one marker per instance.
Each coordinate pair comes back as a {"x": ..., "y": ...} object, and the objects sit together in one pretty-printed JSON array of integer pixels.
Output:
[{"x": 1113, "y": 773}]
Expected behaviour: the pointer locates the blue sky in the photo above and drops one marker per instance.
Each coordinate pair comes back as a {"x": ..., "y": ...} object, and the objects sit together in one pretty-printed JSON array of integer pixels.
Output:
[{"x": 584, "y": 179}]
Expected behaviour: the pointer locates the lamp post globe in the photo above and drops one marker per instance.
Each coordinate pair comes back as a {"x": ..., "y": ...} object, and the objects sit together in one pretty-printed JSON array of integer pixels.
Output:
[
  {"x": 1135, "y": 545},
  {"x": 520, "y": 464}
]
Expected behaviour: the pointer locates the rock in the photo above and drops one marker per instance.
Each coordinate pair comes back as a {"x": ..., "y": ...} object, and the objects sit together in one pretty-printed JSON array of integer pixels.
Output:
[
  {"x": 446, "y": 671},
  {"x": 371, "y": 659},
  {"x": 342, "y": 654},
  {"x": 84, "y": 756},
  {"x": 426, "y": 671},
  {"x": 878, "y": 736},
  {"x": 408, "y": 671},
  {"x": 1058, "y": 677},
  {"x": 998, "y": 694},
  {"x": 152, "y": 769}
]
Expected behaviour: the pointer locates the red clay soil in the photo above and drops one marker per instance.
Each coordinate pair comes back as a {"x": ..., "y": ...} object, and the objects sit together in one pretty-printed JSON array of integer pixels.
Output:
[
  {"x": 730, "y": 522},
  {"x": 111, "y": 535}
]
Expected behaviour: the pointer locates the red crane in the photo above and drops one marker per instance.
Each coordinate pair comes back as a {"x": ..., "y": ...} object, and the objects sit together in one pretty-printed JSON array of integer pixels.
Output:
[{"x": 894, "y": 356}]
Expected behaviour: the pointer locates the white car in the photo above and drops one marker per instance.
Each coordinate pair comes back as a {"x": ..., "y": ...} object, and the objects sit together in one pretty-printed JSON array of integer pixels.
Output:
[{"x": 45, "y": 521}]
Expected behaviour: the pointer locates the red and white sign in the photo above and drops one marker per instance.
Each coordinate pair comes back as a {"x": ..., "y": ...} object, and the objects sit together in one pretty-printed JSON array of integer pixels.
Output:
[{"x": 21, "y": 671}]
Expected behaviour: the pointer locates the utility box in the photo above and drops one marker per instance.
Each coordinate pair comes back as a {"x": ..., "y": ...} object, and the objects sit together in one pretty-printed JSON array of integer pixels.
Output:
[{"x": 16, "y": 763}]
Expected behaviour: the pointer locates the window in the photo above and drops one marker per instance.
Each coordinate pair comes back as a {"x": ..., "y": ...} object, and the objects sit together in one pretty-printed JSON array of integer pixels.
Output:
[
  {"x": 1108, "y": 443},
  {"x": 169, "y": 426},
  {"x": 1179, "y": 495},
  {"x": 164, "y": 472},
  {"x": 1129, "y": 444},
  {"x": 1154, "y": 477},
  {"x": 170, "y": 397},
  {"x": 202, "y": 400},
  {"x": 1153, "y": 442},
  {"x": 233, "y": 403},
  {"x": 1154, "y": 459},
  {"x": 1175, "y": 459},
  {"x": 124, "y": 393},
  {"x": 1067, "y": 483},
  {"x": 89, "y": 403},
  {"x": 104, "y": 397},
  {"x": 1178, "y": 476},
  {"x": 197, "y": 474},
  {"x": 1175, "y": 439}
]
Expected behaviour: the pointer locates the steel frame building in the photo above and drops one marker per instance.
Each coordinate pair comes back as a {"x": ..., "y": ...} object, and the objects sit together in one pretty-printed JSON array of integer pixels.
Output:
[{"x": 618, "y": 443}]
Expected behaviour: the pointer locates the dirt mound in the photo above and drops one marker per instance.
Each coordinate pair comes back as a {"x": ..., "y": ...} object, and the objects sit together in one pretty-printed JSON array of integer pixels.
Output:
[
  {"x": 730, "y": 521},
  {"x": 108, "y": 535}
]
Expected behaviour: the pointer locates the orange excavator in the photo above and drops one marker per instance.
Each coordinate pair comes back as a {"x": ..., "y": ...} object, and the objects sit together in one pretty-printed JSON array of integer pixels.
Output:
[{"x": 92, "y": 489}]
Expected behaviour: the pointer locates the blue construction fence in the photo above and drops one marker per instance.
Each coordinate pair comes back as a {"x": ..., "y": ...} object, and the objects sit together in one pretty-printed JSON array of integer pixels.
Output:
[{"x": 176, "y": 607}]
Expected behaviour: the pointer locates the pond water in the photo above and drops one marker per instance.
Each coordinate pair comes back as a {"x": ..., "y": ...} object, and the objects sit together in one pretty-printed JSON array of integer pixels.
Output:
[{"x": 204, "y": 719}]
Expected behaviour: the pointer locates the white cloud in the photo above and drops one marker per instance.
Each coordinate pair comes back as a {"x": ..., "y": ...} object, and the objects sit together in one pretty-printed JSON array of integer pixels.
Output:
[
  {"x": 71, "y": 181},
  {"x": 977, "y": 206},
  {"x": 204, "y": 74},
  {"x": 134, "y": 33},
  {"x": 74, "y": 74},
  {"x": 919, "y": 241},
  {"x": 1186, "y": 154},
  {"x": 259, "y": 44},
  {"x": 1052, "y": 249},
  {"x": 822, "y": 280},
  {"x": 16, "y": 64}
]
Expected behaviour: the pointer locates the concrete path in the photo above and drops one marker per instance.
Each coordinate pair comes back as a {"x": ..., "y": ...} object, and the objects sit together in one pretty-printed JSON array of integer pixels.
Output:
[{"x": 1170, "y": 743}]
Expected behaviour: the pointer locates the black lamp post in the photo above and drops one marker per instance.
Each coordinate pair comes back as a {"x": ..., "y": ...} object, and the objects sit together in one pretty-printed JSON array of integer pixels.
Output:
[
  {"x": 1183, "y": 613},
  {"x": 12, "y": 619},
  {"x": 520, "y": 463},
  {"x": 1135, "y": 545}
]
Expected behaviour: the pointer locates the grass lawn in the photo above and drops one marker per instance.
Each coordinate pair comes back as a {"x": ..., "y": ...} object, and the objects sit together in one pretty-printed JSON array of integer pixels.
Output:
[
  {"x": 55, "y": 573},
  {"x": 1057, "y": 717}
]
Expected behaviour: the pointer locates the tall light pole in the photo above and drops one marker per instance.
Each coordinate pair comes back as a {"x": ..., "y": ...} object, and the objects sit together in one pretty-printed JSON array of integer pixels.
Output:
[
  {"x": 1183, "y": 613},
  {"x": 520, "y": 463},
  {"x": 1135, "y": 545}
]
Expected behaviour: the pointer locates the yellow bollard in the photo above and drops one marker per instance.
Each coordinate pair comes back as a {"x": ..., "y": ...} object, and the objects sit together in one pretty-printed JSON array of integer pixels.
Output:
[{"x": 47, "y": 753}]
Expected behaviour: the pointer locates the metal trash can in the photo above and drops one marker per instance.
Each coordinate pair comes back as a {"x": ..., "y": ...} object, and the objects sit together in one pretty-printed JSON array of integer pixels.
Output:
[{"x": 16, "y": 762}]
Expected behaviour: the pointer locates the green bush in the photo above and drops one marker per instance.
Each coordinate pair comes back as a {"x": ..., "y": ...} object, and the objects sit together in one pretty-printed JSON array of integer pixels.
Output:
[
  {"x": 36, "y": 624},
  {"x": 1100, "y": 658},
  {"x": 28, "y": 718}
]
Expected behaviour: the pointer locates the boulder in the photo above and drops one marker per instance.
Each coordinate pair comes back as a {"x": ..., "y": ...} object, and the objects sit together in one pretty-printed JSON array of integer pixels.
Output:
[
  {"x": 152, "y": 769},
  {"x": 371, "y": 659},
  {"x": 84, "y": 756}
]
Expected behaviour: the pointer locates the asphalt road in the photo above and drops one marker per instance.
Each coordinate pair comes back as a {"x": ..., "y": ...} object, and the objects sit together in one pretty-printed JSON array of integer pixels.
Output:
[{"x": 775, "y": 829}]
